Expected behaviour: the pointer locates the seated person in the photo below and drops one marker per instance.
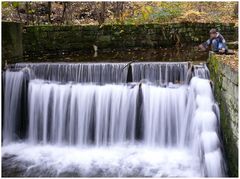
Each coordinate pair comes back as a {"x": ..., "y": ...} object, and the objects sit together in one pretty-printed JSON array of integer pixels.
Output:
[{"x": 216, "y": 42}]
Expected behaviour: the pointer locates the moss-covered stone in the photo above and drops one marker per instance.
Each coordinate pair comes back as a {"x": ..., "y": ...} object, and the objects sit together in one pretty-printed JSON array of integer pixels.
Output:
[
  {"x": 116, "y": 36},
  {"x": 228, "y": 111},
  {"x": 11, "y": 40}
]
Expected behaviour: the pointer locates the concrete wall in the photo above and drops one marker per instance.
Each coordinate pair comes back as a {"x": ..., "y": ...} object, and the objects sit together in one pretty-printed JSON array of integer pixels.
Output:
[
  {"x": 226, "y": 93},
  {"x": 57, "y": 39},
  {"x": 11, "y": 40}
]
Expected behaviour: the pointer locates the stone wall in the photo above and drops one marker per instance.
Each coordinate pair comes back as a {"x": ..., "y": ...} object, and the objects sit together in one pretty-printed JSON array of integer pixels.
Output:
[
  {"x": 226, "y": 92},
  {"x": 58, "y": 39},
  {"x": 11, "y": 40}
]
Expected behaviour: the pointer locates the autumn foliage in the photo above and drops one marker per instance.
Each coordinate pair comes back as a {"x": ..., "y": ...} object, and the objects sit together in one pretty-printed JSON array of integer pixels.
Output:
[{"x": 118, "y": 12}]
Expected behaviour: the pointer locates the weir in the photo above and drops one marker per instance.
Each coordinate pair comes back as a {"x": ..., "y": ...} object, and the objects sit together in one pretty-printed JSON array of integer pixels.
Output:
[
  {"x": 77, "y": 72},
  {"x": 90, "y": 120}
]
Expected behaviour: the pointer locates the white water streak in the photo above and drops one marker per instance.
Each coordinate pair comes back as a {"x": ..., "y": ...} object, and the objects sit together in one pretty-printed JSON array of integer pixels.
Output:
[{"x": 93, "y": 116}]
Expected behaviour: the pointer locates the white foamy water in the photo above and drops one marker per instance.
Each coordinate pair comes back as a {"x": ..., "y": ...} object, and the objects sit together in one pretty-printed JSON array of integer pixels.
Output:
[
  {"x": 205, "y": 129},
  {"x": 116, "y": 160},
  {"x": 134, "y": 129},
  {"x": 13, "y": 97}
]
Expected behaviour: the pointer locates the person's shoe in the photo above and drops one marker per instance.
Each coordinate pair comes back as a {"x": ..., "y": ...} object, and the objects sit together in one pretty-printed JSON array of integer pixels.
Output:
[{"x": 230, "y": 52}]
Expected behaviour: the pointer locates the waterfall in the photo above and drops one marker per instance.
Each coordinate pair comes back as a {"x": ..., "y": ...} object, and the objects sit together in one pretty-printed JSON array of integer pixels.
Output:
[
  {"x": 201, "y": 71},
  {"x": 205, "y": 128},
  {"x": 160, "y": 73},
  {"x": 15, "y": 101},
  {"x": 78, "y": 72},
  {"x": 104, "y": 115},
  {"x": 89, "y": 117},
  {"x": 81, "y": 114},
  {"x": 163, "y": 110}
]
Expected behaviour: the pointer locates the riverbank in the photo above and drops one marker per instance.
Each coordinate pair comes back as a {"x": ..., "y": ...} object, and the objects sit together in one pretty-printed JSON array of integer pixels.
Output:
[{"x": 224, "y": 74}]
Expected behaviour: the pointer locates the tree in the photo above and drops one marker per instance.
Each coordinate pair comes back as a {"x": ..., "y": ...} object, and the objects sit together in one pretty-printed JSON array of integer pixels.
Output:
[
  {"x": 119, "y": 12},
  {"x": 101, "y": 13},
  {"x": 49, "y": 12},
  {"x": 65, "y": 4},
  {"x": 16, "y": 5},
  {"x": 118, "y": 9}
]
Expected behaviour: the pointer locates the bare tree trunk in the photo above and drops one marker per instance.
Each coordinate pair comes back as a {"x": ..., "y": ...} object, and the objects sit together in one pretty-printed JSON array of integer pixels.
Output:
[
  {"x": 37, "y": 14},
  {"x": 49, "y": 12},
  {"x": 199, "y": 7},
  {"x": 17, "y": 8},
  {"x": 27, "y": 12},
  {"x": 118, "y": 10},
  {"x": 64, "y": 11},
  {"x": 38, "y": 18},
  {"x": 71, "y": 10},
  {"x": 101, "y": 15},
  {"x": 32, "y": 17},
  {"x": 236, "y": 10}
]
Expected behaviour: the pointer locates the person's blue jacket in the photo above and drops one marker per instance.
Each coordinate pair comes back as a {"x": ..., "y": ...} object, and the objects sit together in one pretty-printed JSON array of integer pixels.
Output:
[{"x": 217, "y": 43}]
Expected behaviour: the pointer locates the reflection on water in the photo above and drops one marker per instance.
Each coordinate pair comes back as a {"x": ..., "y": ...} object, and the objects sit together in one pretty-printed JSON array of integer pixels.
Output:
[{"x": 164, "y": 54}]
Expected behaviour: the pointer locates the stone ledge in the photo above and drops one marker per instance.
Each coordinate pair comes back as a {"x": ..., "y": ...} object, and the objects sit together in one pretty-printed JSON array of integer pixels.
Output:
[
  {"x": 120, "y": 36},
  {"x": 226, "y": 93},
  {"x": 11, "y": 40}
]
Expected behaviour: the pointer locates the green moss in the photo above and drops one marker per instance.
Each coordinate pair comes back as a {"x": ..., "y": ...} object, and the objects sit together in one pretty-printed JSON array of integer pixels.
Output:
[
  {"x": 159, "y": 35},
  {"x": 11, "y": 40},
  {"x": 229, "y": 141}
]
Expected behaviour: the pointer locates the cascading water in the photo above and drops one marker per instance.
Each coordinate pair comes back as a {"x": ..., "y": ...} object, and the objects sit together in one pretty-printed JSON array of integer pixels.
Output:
[
  {"x": 112, "y": 129},
  {"x": 205, "y": 129},
  {"x": 160, "y": 73},
  {"x": 201, "y": 71},
  {"x": 81, "y": 114},
  {"x": 13, "y": 90},
  {"x": 77, "y": 72},
  {"x": 15, "y": 97}
]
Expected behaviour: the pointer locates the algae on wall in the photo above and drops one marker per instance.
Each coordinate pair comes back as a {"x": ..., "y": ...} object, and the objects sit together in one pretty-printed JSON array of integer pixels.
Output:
[
  {"x": 11, "y": 40},
  {"x": 226, "y": 93},
  {"x": 57, "y": 39}
]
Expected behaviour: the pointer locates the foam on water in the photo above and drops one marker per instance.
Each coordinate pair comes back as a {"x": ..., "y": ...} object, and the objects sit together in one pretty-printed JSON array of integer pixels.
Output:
[
  {"x": 121, "y": 161},
  {"x": 206, "y": 129},
  {"x": 116, "y": 129}
]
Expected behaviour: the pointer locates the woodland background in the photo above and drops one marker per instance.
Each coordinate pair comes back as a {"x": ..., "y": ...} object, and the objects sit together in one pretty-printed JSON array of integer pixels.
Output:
[{"x": 80, "y": 13}]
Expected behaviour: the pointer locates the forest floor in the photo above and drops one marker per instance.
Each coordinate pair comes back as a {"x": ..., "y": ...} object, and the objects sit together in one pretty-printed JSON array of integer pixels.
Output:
[{"x": 230, "y": 60}]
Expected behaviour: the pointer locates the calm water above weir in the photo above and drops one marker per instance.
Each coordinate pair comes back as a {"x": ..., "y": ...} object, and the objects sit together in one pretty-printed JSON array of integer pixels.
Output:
[
  {"x": 110, "y": 119},
  {"x": 186, "y": 53}
]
